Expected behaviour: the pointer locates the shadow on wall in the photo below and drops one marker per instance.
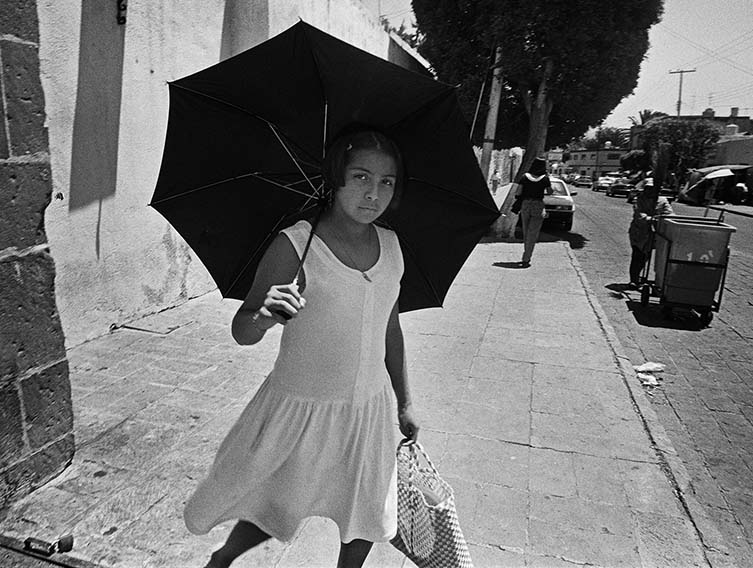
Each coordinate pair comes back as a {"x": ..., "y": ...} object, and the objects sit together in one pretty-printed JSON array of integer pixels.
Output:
[
  {"x": 244, "y": 25},
  {"x": 96, "y": 123}
]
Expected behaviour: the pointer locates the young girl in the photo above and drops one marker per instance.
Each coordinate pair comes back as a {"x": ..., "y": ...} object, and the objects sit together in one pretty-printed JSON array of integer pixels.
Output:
[{"x": 318, "y": 437}]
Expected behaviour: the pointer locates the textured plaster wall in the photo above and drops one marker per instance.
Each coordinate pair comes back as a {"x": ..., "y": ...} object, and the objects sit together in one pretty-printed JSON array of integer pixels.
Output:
[
  {"x": 107, "y": 103},
  {"x": 118, "y": 257}
]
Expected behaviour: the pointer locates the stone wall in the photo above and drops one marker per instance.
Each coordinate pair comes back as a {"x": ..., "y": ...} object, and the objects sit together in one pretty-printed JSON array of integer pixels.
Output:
[{"x": 36, "y": 422}]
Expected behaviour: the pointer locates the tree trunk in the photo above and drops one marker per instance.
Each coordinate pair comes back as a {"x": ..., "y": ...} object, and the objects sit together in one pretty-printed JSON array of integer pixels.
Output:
[
  {"x": 491, "y": 117},
  {"x": 538, "y": 107}
]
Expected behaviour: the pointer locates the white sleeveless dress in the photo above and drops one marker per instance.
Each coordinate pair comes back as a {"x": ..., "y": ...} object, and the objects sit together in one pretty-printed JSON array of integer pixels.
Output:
[{"x": 318, "y": 438}]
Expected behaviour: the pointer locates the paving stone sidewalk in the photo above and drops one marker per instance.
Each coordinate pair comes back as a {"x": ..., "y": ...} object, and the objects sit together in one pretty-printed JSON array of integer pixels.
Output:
[{"x": 527, "y": 410}]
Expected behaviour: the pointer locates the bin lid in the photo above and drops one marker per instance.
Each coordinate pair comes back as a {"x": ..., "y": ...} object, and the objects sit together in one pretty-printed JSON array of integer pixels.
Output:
[{"x": 704, "y": 223}]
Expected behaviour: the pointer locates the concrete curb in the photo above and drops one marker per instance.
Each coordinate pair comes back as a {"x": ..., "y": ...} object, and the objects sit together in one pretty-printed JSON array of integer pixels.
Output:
[{"x": 715, "y": 549}]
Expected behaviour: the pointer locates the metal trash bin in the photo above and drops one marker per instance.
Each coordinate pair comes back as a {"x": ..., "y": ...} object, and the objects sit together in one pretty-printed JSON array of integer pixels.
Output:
[{"x": 690, "y": 262}]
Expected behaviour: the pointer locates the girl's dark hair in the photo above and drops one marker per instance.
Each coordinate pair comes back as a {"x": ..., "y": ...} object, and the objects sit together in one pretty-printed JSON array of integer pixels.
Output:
[{"x": 351, "y": 140}]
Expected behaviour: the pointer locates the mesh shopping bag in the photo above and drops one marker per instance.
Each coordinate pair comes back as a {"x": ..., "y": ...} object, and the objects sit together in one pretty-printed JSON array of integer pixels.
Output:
[{"x": 428, "y": 531}]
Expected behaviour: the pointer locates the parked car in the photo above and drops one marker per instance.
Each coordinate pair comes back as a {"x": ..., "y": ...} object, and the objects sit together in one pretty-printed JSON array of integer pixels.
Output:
[
  {"x": 582, "y": 181},
  {"x": 667, "y": 192},
  {"x": 620, "y": 186},
  {"x": 603, "y": 183},
  {"x": 559, "y": 204}
]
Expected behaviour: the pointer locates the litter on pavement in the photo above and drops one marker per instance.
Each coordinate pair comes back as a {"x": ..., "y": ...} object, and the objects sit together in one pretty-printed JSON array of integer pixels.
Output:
[
  {"x": 647, "y": 379},
  {"x": 649, "y": 367}
]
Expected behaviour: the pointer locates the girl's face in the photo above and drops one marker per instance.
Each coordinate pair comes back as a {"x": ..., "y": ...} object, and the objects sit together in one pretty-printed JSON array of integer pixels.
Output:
[{"x": 370, "y": 178}]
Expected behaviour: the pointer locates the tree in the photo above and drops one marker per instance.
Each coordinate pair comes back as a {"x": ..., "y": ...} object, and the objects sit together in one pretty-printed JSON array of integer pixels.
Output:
[
  {"x": 635, "y": 161},
  {"x": 678, "y": 143},
  {"x": 645, "y": 115},
  {"x": 412, "y": 38},
  {"x": 566, "y": 64},
  {"x": 615, "y": 136}
]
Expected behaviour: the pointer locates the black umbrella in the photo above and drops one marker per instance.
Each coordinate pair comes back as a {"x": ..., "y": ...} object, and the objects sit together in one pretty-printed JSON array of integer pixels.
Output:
[{"x": 246, "y": 137}]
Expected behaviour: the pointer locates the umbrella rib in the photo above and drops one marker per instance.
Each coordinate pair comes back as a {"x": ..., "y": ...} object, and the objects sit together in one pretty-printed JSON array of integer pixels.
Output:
[
  {"x": 262, "y": 246},
  {"x": 216, "y": 183},
  {"x": 272, "y": 233},
  {"x": 285, "y": 147},
  {"x": 215, "y": 99},
  {"x": 236, "y": 107}
]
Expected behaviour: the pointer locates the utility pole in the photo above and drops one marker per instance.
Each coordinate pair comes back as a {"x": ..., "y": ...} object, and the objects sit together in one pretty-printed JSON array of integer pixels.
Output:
[
  {"x": 491, "y": 117},
  {"x": 679, "y": 95}
]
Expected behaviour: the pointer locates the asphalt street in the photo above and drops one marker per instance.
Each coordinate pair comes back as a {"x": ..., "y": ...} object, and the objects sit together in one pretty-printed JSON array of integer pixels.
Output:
[{"x": 705, "y": 397}]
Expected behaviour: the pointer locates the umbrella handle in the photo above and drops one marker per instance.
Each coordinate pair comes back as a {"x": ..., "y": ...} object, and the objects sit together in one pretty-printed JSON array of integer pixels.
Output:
[{"x": 284, "y": 315}]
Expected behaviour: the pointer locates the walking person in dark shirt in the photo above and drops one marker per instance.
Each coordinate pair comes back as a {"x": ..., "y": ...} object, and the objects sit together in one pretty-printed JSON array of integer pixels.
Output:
[{"x": 532, "y": 187}]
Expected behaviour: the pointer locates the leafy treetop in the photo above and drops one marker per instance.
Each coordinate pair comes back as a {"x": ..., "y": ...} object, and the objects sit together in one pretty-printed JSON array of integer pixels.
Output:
[
  {"x": 679, "y": 144},
  {"x": 580, "y": 57}
]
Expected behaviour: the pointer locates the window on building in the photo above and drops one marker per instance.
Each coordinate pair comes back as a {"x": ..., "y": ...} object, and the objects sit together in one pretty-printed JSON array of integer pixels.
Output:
[
  {"x": 593, "y": 156},
  {"x": 613, "y": 156}
]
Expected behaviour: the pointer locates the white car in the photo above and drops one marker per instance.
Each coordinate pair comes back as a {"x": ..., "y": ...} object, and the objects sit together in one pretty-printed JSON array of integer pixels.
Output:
[
  {"x": 559, "y": 204},
  {"x": 604, "y": 182}
]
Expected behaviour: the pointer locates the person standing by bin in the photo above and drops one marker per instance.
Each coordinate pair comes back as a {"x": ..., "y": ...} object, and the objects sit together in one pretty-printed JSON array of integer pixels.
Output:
[
  {"x": 648, "y": 205},
  {"x": 531, "y": 189}
]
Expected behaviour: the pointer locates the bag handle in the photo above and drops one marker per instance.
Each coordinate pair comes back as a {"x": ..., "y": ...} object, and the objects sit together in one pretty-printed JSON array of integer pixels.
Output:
[{"x": 411, "y": 447}]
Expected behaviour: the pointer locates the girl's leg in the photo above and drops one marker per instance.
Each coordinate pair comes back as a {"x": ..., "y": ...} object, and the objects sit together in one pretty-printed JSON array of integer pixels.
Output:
[
  {"x": 532, "y": 221},
  {"x": 525, "y": 219},
  {"x": 243, "y": 537},
  {"x": 353, "y": 554}
]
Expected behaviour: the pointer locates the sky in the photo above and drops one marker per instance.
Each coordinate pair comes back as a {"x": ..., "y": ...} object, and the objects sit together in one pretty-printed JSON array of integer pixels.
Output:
[{"x": 714, "y": 37}]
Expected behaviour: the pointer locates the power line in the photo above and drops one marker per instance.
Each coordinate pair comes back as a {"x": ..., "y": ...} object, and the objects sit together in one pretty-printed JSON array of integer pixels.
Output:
[
  {"x": 734, "y": 91},
  {"x": 736, "y": 42},
  {"x": 707, "y": 50}
]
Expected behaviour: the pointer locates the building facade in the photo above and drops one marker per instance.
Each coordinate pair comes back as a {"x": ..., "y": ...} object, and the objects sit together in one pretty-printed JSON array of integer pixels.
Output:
[{"x": 595, "y": 163}]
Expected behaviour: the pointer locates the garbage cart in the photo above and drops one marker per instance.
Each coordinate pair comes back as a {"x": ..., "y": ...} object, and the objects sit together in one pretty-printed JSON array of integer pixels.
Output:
[{"x": 690, "y": 257}]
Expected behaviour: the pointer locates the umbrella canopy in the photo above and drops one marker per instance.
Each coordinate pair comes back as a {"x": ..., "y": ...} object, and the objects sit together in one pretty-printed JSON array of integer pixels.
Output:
[
  {"x": 724, "y": 172},
  {"x": 733, "y": 167},
  {"x": 245, "y": 141}
]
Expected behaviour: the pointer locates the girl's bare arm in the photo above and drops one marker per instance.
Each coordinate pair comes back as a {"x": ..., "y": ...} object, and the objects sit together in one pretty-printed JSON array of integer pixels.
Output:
[
  {"x": 398, "y": 371},
  {"x": 271, "y": 294}
]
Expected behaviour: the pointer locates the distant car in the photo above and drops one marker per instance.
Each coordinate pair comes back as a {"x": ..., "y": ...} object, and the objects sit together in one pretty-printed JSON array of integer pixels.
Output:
[
  {"x": 582, "y": 181},
  {"x": 668, "y": 192},
  {"x": 621, "y": 186},
  {"x": 603, "y": 183},
  {"x": 559, "y": 204}
]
